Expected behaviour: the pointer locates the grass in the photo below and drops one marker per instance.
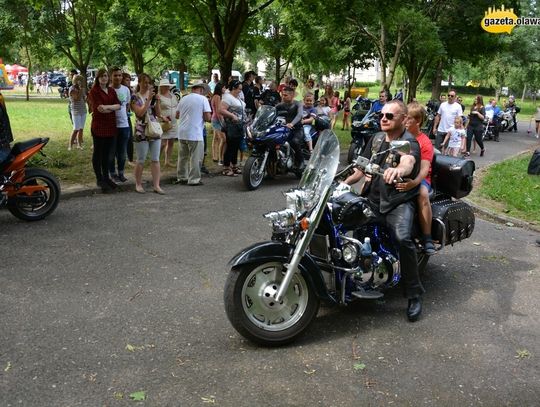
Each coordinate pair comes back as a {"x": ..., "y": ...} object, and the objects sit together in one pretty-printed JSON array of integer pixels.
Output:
[{"x": 507, "y": 188}]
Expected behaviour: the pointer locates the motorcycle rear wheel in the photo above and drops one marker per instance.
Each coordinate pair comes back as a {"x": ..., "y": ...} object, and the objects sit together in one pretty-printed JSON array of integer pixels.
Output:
[
  {"x": 253, "y": 312},
  {"x": 40, "y": 204},
  {"x": 251, "y": 174}
]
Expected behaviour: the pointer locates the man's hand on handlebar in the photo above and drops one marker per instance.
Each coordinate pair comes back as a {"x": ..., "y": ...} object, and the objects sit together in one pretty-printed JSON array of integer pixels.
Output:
[{"x": 392, "y": 175}]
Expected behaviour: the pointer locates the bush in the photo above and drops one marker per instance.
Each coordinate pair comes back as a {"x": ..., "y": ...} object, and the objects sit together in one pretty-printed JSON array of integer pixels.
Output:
[
  {"x": 367, "y": 84},
  {"x": 465, "y": 90}
]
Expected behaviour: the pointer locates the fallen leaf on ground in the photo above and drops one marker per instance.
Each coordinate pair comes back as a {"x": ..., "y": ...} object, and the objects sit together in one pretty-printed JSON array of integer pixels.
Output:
[
  {"x": 8, "y": 366},
  {"x": 118, "y": 395},
  {"x": 309, "y": 371},
  {"x": 138, "y": 396},
  {"x": 359, "y": 366},
  {"x": 209, "y": 399},
  {"x": 522, "y": 354}
]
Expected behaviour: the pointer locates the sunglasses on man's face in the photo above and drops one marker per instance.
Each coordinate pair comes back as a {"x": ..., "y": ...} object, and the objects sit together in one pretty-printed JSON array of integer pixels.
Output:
[
  {"x": 451, "y": 96},
  {"x": 388, "y": 116}
]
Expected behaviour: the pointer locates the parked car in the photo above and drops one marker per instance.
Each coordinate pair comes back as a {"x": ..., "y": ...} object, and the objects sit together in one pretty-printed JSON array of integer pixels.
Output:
[{"x": 57, "y": 79}]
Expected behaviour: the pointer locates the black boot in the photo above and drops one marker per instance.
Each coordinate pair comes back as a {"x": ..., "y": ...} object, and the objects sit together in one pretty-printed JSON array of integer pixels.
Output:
[{"x": 414, "y": 308}]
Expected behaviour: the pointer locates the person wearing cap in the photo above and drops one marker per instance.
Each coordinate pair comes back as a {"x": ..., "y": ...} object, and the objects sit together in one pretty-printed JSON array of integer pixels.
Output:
[
  {"x": 167, "y": 105},
  {"x": 192, "y": 111}
]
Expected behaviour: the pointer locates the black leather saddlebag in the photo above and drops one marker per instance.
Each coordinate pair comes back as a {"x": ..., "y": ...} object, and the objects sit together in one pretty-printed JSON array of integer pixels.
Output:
[
  {"x": 452, "y": 175},
  {"x": 350, "y": 210},
  {"x": 453, "y": 220}
]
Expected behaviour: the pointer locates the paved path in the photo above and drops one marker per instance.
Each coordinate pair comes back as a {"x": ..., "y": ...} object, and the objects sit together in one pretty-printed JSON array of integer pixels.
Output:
[{"x": 123, "y": 292}]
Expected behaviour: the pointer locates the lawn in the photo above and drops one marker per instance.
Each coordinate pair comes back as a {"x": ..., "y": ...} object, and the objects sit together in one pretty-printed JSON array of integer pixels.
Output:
[{"x": 507, "y": 188}]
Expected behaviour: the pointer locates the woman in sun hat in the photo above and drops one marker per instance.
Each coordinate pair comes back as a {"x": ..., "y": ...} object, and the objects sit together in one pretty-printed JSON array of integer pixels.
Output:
[{"x": 167, "y": 103}]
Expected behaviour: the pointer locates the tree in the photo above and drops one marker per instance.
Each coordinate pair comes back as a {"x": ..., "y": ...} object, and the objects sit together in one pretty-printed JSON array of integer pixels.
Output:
[
  {"x": 224, "y": 22},
  {"x": 72, "y": 26}
]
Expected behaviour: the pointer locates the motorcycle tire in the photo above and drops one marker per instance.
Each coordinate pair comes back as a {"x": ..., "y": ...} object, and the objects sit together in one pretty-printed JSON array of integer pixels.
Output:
[
  {"x": 253, "y": 312},
  {"x": 354, "y": 150},
  {"x": 40, "y": 204},
  {"x": 250, "y": 173}
]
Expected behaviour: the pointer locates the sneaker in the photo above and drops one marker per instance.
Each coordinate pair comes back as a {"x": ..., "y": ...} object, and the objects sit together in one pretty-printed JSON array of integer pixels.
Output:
[
  {"x": 115, "y": 177},
  {"x": 220, "y": 162},
  {"x": 204, "y": 170},
  {"x": 122, "y": 178},
  {"x": 429, "y": 248},
  {"x": 180, "y": 181},
  {"x": 110, "y": 183}
]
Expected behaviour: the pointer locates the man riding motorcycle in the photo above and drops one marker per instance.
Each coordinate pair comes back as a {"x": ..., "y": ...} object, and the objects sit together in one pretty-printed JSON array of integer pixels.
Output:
[
  {"x": 396, "y": 209},
  {"x": 292, "y": 111}
]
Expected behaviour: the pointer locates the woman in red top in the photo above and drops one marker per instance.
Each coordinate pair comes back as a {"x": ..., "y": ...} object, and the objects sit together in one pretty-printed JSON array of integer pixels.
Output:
[{"x": 103, "y": 103}]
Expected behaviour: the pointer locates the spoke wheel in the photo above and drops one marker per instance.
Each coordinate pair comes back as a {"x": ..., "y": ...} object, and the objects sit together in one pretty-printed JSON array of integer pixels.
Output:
[
  {"x": 252, "y": 174},
  {"x": 40, "y": 203},
  {"x": 254, "y": 312}
]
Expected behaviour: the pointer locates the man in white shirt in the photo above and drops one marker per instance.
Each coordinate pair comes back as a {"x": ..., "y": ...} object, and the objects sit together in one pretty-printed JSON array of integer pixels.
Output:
[
  {"x": 122, "y": 124},
  {"x": 448, "y": 111},
  {"x": 214, "y": 82},
  {"x": 192, "y": 111}
]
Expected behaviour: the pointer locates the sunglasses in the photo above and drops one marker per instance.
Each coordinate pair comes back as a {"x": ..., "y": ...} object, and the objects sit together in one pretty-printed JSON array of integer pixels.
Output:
[
  {"x": 451, "y": 96},
  {"x": 389, "y": 116}
]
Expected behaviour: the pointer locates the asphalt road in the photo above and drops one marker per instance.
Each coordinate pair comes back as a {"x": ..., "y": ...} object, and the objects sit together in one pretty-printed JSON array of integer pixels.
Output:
[{"x": 120, "y": 293}]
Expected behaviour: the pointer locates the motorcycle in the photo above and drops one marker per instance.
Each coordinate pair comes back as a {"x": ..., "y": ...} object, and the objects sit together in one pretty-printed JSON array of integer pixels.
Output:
[
  {"x": 490, "y": 131},
  {"x": 507, "y": 118},
  {"x": 361, "y": 131},
  {"x": 28, "y": 193},
  {"x": 272, "y": 153},
  {"x": 327, "y": 246},
  {"x": 431, "y": 109}
]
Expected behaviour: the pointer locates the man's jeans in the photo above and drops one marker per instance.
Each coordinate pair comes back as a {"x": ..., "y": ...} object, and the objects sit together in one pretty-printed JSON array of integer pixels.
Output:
[{"x": 120, "y": 151}]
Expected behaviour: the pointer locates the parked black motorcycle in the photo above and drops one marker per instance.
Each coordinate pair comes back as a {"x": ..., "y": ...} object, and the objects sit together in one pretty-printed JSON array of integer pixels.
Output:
[
  {"x": 431, "y": 109},
  {"x": 327, "y": 246},
  {"x": 361, "y": 131}
]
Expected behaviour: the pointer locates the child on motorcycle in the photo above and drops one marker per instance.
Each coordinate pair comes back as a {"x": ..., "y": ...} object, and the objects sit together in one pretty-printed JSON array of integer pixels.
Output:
[
  {"x": 308, "y": 117},
  {"x": 456, "y": 138},
  {"x": 415, "y": 117}
]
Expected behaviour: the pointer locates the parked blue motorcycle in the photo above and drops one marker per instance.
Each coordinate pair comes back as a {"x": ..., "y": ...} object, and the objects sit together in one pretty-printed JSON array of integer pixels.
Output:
[
  {"x": 327, "y": 246},
  {"x": 272, "y": 153}
]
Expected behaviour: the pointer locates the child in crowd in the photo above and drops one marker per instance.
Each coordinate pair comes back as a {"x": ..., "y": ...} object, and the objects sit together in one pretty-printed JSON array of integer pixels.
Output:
[
  {"x": 322, "y": 108},
  {"x": 456, "y": 138},
  {"x": 307, "y": 119}
]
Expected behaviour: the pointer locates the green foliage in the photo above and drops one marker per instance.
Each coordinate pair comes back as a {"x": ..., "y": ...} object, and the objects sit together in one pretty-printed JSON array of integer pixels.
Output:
[{"x": 509, "y": 184}]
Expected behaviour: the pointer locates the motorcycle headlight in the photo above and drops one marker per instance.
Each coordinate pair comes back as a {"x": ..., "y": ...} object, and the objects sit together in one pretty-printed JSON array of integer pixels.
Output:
[
  {"x": 350, "y": 253},
  {"x": 281, "y": 219},
  {"x": 356, "y": 123}
]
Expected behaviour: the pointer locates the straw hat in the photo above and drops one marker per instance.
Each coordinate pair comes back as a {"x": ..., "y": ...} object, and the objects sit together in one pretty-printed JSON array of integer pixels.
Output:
[{"x": 165, "y": 82}]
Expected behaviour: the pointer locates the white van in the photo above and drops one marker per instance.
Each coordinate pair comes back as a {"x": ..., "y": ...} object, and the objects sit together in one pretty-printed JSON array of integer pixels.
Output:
[{"x": 235, "y": 74}]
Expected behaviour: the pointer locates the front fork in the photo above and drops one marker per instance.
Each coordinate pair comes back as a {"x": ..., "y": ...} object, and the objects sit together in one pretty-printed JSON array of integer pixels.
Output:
[{"x": 302, "y": 245}]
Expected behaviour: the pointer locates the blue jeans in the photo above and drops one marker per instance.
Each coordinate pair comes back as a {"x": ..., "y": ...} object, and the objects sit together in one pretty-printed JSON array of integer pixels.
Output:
[{"x": 120, "y": 151}]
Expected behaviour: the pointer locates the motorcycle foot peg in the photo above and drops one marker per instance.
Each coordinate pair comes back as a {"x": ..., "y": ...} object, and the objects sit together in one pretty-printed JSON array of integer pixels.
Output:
[{"x": 367, "y": 295}]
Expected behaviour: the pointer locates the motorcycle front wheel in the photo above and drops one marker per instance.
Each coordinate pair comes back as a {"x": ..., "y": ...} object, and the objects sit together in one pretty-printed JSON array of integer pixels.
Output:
[
  {"x": 252, "y": 310},
  {"x": 252, "y": 175},
  {"x": 353, "y": 152},
  {"x": 38, "y": 204}
]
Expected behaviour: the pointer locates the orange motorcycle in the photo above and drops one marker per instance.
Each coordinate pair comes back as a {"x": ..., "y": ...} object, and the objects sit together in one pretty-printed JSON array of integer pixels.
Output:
[{"x": 28, "y": 193}]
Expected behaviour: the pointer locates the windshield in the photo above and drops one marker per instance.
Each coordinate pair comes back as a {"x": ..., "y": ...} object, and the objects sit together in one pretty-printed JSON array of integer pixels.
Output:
[
  {"x": 264, "y": 118},
  {"x": 370, "y": 116},
  {"x": 321, "y": 168}
]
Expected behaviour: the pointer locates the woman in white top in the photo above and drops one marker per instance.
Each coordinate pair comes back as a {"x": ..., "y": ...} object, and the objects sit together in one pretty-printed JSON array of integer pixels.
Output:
[
  {"x": 233, "y": 112},
  {"x": 77, "y": 100},
  {"x": 167, "y": 106}
]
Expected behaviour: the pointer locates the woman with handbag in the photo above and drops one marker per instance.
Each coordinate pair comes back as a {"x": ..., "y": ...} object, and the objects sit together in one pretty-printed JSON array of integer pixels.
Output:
[
  {"x": 167, "y": 103},
  {"x": 147, "y": 133},
  {"x": 233, "y": 112},
  {"x": 103, "y": 102}
]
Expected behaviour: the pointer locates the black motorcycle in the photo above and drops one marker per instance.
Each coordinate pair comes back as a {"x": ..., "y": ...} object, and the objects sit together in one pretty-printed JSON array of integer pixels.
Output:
[
  {"x": 431, "y": 109},
  {"x": 328, "y": 246},
  {"x": 361, "y": 131}
]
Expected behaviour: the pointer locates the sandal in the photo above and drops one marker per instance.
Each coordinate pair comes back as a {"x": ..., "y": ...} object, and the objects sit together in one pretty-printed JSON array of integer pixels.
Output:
[
  {"x": 237, "y": 170},
  {"x": 228, "y": 173}
]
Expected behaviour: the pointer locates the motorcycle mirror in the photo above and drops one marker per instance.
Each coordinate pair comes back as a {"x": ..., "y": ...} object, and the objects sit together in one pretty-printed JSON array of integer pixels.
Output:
[{"x": 401, "y": 146}]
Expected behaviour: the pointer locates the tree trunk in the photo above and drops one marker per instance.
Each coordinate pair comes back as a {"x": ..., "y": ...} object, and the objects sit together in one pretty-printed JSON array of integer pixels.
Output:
[
  {"x": 28, "y": 78},
  {"x": 182, "y": 69},
  {"x": 436, "y": 84},
  {"x": 523, "y": 94},
  {"x": 278, "y": 69}
]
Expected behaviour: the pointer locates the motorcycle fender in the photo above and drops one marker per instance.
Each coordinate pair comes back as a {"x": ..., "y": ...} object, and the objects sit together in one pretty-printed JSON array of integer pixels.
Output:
[{"x": 280, "y": 251}]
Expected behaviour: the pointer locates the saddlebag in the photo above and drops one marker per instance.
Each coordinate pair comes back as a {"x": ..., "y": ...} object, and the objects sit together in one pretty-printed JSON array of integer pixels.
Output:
[
  {"x": 452, "y": 221},
  {"x": 350, "y": 210},
  {"x": 452, "y": 176}
]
